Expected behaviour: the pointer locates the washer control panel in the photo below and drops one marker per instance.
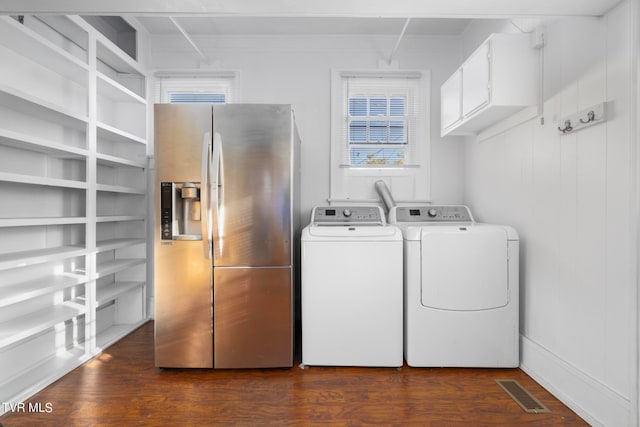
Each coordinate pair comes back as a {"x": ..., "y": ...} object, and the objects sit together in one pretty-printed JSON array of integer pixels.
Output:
[
  {"x": 433, "y": 214},
  {"x": 347, "y": 215}
]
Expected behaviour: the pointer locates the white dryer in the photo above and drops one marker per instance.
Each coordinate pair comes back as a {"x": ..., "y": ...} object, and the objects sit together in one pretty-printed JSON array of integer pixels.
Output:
[
  {"x": 461, "y": 289},
  {"x": 351, "y": 289}
]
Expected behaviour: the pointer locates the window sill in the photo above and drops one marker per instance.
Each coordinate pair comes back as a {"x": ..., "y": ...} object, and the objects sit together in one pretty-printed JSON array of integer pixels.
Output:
[{"x": 370, "y": 167}]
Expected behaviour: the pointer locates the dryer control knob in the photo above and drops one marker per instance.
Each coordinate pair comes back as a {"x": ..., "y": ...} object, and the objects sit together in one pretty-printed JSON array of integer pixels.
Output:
[
  {"x": 432, "y": 213},
  {"x": 346, "y": 213}
]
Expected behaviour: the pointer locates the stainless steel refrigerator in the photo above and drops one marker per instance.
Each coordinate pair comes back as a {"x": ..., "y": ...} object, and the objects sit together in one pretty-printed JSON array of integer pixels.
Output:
[{"x": 227, "y": 212}]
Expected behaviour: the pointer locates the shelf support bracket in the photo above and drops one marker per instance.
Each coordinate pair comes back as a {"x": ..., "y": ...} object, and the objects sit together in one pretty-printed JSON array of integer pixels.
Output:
[
  {"x": 189, "y": 39},
  {"x": 400, "y": 37}
]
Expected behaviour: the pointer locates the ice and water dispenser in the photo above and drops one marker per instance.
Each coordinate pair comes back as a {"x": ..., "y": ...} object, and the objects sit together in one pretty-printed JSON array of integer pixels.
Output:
[{"x": 181, "y": 211}]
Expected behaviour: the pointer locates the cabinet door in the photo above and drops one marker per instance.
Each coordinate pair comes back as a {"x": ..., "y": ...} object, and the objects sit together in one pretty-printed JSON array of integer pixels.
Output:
[
  {"x": 450, "y": 100},
  {"x": 476, "y": 74}
]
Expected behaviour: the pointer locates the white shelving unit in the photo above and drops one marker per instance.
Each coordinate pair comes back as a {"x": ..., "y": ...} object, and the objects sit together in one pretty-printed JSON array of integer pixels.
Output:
[{"x": 73, "y": 156}]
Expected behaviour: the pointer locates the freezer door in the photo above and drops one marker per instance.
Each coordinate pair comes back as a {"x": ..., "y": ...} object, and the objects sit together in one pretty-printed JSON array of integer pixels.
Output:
[
  {"x": 183, "y": 276},
  {"x": 251, "y": 204},
  {"x": 252, "y": 318},
  {"x": 178, "y": 138},
  {"x": 183, "y": 311}
]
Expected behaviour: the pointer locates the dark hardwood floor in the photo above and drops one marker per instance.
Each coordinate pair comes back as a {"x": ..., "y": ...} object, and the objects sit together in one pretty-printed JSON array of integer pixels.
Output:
[{"x": 123, "y": 388}]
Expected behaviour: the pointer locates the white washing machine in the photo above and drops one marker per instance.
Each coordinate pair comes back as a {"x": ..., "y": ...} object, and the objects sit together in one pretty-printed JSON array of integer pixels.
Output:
[
  {"x": 461, "y": 289},
  {"x": 352, "y": 288}
]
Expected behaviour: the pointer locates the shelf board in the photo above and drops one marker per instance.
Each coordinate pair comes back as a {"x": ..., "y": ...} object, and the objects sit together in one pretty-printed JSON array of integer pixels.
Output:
[
  {"x": 77, "y": 37},
  {"x": 115, "y": 333},
  {"x": 22, "y": 385},
  {"x": 116, "y": 91},
  {"x": 37, "y": 256},
  {"x": 32, "y": 299},
  {"x": 22, "y": 40},
  {"x": 41, "y": 180},
  {"x": 34, "y": 222},
  {"x": 119, "y": 189},
  {"x": 112, "y": 133},
  {"x": 27, "y": 142},
  {"x": 120, "y": 218},
  {"x": 117, "y": 265},
  {"x": 111, "y": 55},
  {"x": 109, "y": 160},
  {"x": 22, "y": 327},
  {"x": 112, "y": 244},
  {"x": 23, "y": 291},
  {"x": 109, "y": 292},
  {"x": 32, "y": 105}
]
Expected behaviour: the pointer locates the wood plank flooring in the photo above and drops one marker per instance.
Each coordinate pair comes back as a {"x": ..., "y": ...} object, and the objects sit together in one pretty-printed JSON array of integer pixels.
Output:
[{"x": 122, "y": 387}]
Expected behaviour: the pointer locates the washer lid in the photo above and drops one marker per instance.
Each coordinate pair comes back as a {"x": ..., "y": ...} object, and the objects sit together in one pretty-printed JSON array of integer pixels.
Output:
[
  {"x": 318, "y": 232},
  {"x": 464, "y": 268}
]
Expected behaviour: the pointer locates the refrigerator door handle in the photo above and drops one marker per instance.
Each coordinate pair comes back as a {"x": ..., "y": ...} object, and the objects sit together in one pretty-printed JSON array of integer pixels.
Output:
[
  {"x": 205, "y": 194},
  {"x": 217, "y": 201}
]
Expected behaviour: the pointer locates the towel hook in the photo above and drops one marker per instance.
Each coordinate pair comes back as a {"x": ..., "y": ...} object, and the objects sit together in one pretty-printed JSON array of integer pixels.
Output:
[
  {"x": 567, "y": 127},
  {"x": 591, "y": 116}
]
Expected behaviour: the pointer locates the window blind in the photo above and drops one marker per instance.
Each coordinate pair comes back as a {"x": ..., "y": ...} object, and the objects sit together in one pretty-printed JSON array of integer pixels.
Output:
[
  {"x": 197, "y": 97},
  {"x": 379, "y": 127},
  {"x": 195, "y": 89}
]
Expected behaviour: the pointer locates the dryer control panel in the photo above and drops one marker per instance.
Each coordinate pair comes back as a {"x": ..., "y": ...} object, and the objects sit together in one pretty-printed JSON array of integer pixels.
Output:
[
  {"x": 347, "y": 215},
  {"x": 453, "y": 213}
]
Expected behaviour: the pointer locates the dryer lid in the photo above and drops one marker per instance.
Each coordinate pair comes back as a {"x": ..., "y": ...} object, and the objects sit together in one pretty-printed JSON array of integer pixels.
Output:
[{"x": 464, "y": 268}]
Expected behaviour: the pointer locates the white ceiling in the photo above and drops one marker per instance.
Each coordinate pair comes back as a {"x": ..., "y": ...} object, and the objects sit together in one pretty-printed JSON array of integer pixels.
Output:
[
  {"x": 321, "y": 8},
  {"x": 301, "y": 25},
  {"x": 219, "y": 17}
]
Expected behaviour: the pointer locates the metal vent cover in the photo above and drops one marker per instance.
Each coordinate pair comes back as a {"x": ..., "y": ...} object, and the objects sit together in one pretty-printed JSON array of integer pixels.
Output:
[{"x": 522, "y": 397}]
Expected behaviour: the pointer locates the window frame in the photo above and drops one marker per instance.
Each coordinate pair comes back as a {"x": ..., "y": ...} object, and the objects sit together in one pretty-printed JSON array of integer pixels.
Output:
[
  {"x": 355, "y": 183},
  {"x": 411, "y": 84},
  {"x": 195, "y": 83}
]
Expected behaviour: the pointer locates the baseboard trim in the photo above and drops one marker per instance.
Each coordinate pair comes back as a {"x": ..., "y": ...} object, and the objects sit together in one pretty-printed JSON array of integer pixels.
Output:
[{"x": 589, "y": 398}]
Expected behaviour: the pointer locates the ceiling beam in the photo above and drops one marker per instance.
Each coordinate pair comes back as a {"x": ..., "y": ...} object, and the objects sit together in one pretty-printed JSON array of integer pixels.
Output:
[
  {"x": 314, "y": 8},
  {"x": 395, "y": 47},
  {"x": 193, "y": 44}
]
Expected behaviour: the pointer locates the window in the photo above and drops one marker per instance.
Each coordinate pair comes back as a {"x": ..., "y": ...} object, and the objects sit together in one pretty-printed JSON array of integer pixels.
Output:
[
  {"x": 216, "y": 89},
  {"x": 379, "y": 129},
  {"x": 379, "y": 120}
]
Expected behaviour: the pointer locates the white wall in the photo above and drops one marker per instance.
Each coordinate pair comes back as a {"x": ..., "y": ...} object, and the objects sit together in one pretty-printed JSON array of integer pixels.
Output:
[
  {"x": 571, "y": 198},
  {"x": 296, "y": 70}
]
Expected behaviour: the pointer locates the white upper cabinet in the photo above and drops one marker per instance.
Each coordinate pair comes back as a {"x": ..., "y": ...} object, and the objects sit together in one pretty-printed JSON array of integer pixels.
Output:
[
  {"x": 497, "y": 80},
  {"x": 451, "y": 99},
  {"x": 476, "y": 80}
]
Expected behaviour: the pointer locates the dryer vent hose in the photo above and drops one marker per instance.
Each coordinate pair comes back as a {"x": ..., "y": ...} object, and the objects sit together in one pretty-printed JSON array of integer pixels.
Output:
[{"x": 385, "y": 194}]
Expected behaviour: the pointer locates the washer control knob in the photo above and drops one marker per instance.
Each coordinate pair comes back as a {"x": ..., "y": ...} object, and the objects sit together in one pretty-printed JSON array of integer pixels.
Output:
[
  {"x": 432, "y": 213},
  {"x": 346, "y": 213}
]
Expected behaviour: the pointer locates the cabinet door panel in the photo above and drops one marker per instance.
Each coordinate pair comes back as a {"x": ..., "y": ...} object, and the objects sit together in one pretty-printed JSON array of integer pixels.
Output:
[
  {"x": 475, "y": 80},
  {"x": 450, "y": 95}
]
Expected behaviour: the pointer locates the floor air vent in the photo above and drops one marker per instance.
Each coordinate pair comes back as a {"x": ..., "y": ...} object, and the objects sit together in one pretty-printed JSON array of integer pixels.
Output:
[{"x": 522, "y": 397}]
